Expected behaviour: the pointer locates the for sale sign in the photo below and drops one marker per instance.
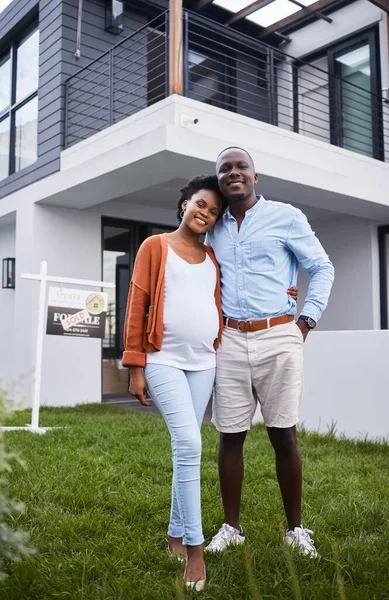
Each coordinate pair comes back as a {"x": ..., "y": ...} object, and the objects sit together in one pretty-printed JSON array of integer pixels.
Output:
[{"x": 78, "y": 313}]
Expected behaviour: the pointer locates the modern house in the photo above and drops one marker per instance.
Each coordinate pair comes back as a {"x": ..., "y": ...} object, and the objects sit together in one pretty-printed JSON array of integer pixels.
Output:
[{"x": 107, "y": 107}]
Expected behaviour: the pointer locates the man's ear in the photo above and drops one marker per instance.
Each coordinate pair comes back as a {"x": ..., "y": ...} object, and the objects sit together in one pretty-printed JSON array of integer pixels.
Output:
[{"x": 256, "y": 177}]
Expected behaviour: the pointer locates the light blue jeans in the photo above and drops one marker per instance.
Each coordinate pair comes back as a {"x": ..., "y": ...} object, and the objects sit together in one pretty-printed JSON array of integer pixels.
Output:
[{"x": 182, "y": 398}]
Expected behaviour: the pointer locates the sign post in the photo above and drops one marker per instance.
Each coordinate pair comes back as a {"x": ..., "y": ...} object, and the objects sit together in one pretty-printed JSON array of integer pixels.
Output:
[
  {"x": 39, "y": 347},
  {"x": 43, "y": 278}
]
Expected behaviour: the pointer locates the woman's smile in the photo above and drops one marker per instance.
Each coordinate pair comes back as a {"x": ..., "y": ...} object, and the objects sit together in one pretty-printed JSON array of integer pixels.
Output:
[{"x": 200, "y": 220}]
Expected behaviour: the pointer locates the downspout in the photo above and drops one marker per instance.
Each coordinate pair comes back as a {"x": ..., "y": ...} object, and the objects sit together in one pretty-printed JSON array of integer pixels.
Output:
[{"x": 77, "y": 53}]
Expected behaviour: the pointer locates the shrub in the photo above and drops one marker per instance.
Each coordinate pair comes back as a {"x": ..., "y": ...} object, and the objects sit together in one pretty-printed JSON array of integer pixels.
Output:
[{"x": 13, "y": 542}]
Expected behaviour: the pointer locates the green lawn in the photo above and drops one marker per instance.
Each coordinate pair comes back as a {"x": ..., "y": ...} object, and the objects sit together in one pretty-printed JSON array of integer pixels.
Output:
[{"x": 97, "y": 495}]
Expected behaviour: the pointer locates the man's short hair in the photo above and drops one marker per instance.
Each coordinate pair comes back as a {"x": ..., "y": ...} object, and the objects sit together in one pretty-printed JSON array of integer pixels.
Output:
[{"x": 236, "y": 148}]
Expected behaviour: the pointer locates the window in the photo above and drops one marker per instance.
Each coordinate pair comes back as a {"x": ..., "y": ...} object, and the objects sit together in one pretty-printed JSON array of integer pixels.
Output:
[
  {"x": 355, "y": 95},
  {"x": 19, "y": 104},
  {"x": 338, "y": 96}
]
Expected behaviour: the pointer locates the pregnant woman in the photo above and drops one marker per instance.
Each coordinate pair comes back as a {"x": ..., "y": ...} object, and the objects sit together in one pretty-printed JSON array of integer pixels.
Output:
[{"x": 172, "y": 329}]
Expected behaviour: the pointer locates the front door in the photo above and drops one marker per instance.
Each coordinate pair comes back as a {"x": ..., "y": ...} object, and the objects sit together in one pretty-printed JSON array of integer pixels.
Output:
[{"x": 121, "y": 241}]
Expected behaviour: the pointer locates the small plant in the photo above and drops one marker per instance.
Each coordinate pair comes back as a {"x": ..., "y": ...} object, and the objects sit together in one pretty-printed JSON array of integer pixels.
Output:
[{"x": 13, "y": 542}]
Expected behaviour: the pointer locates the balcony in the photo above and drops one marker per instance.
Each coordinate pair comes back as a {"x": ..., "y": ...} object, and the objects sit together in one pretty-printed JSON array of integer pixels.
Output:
[{"x": 235, "y": 73}]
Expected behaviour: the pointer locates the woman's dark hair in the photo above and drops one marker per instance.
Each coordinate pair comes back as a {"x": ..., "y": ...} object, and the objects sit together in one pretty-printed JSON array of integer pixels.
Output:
[{"x": 194, "y": 185}]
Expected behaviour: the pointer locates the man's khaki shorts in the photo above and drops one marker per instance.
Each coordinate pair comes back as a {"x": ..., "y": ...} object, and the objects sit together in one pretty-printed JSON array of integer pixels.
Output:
[{"x": 264, "y": 367}]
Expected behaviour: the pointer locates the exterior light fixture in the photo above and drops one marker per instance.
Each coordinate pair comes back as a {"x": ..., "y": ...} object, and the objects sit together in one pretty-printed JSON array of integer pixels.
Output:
[
  {"x": 114, "y": 16},
  {"x": 8, "y": 277}
]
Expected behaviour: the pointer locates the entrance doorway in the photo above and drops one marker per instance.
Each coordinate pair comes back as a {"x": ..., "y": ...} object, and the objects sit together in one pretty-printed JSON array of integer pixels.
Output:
[{"x": 121, "y": 241}]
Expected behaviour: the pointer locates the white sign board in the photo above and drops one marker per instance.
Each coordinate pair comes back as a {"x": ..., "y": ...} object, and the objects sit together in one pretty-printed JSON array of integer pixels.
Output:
[{"x": 79, "y": 313}]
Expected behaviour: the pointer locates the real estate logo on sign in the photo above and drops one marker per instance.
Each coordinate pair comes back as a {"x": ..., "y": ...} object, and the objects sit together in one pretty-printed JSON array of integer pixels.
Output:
[{"x": 79, "y": 313}]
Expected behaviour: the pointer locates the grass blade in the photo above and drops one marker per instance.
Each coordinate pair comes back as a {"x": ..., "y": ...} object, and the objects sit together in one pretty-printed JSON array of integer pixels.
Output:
[{"x": 253, "y": 585}]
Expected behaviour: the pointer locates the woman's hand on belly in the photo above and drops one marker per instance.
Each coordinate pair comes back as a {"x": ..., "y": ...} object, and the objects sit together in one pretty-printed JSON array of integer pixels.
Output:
[{"x": 138, "y": 385}]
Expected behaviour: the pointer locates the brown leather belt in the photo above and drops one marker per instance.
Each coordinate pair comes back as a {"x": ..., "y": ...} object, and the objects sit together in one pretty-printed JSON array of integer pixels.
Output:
[{"x": 246, "y": 326}]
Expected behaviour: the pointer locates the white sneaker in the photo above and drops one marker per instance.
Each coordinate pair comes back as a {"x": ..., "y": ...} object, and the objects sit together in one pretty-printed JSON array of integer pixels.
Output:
[
  {"x": 226, "y": 536},
  {"x": 299, "y": 538}
]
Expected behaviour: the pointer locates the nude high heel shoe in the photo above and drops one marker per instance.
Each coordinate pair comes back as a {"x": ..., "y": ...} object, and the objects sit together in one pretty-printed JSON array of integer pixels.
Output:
[{"x": 198, "y": 585}]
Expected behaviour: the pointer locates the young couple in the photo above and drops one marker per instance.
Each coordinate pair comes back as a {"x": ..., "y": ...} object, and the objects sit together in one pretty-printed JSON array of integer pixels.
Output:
[{"x": 228, "y": 304}]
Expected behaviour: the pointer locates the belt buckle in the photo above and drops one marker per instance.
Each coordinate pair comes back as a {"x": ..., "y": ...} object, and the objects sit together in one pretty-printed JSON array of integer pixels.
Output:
[{"x": 242, "y": 321}]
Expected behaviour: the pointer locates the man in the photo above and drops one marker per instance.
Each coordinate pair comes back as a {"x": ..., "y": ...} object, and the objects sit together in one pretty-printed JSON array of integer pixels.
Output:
[{"x": 259, "y": 245}]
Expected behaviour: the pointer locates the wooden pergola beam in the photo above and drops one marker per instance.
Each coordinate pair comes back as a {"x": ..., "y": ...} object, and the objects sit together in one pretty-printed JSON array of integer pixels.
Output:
[
  {"x": 245, "y": 12},
  {"x": 319, "y": 15},
  {"x": 175, "y": 47},
  {"x": 201, "y": 4},
  {"x": 383, "y": 4},
  {"x": 296, "y": 17}
]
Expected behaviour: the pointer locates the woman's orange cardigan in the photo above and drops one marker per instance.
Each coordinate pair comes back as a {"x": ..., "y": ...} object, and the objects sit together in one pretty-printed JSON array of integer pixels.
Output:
[{"x": 143, "y": 327}]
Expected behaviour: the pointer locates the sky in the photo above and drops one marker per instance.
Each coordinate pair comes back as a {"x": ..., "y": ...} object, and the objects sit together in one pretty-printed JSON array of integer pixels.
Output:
[
  {"x": 273, "y": 12},
  {"x": 4, "y": 4}
]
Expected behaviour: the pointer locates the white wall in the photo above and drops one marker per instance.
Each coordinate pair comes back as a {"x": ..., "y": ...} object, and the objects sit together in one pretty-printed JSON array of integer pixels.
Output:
[
  {"x": 352, "y": 246},
  {"x": 70, "y": 241},
  {"x": 347, "y": 382},
  {"x": 7, "y": 301}
]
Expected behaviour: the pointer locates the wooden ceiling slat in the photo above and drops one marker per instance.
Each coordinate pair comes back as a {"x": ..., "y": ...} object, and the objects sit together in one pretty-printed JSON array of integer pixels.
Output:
[
  {"x": 201, "y": 4},
  {"x": 319, "y": 15},
  {"x": 383, "y": 4},
  {"x": 296, "y": 17}
]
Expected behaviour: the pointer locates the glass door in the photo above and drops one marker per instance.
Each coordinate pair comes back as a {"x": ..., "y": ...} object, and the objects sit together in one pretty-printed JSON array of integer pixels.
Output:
[
  {"x": 356, "y": 104},
  {"x": 117, "y": 246},
  {"x": 121, "y": 241}
]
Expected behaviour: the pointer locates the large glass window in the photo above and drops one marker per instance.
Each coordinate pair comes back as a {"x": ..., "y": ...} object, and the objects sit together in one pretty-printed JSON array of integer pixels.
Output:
[
  {"x": 19, "y": 71},
  {"x": 27, "y": 66},
  {"x": 356, "y": 106},
  {"x": 355, "y": 74},
  {"x": 4, "y": 148},
  {"x": 26, "y": 133},
  {"x": 5, "y": 82}
]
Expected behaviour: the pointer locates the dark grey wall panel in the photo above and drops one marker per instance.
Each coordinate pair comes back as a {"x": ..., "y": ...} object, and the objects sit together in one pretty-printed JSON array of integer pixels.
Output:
[
  {"x": 52, "y": 77},
  {"x": 48, "y": 17},
  {"x": 14, "y": 15},
  {"x": 53, "y": 64},
  {"x": 57, "y": 45},
  {"x": 19, "y": 180}
]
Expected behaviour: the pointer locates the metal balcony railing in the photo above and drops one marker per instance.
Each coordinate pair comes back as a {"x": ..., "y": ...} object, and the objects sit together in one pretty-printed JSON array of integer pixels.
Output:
[
  {"x": 230, "y": 71},
  {"x": 127, "y": 78}
]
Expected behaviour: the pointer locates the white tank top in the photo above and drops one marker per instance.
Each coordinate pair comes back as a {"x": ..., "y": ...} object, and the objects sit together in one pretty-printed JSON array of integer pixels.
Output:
[{"x": 190, "y": 319}]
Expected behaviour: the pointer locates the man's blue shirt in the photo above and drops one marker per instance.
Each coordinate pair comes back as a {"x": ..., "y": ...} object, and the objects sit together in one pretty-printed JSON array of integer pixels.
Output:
[{"x": 259, "y": 262}]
